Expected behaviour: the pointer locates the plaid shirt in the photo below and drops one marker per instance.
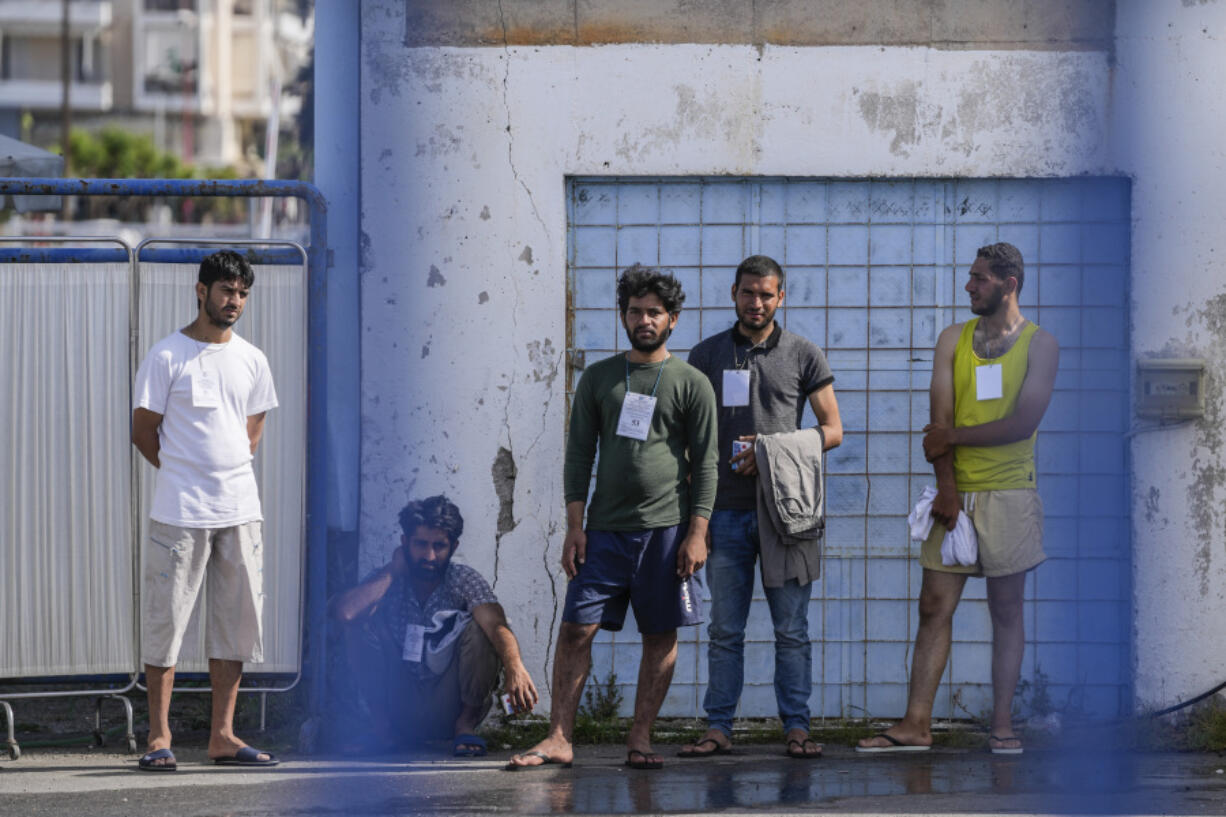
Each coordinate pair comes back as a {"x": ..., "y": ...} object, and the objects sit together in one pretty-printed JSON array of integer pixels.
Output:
[{"x": 462, "y": 588}]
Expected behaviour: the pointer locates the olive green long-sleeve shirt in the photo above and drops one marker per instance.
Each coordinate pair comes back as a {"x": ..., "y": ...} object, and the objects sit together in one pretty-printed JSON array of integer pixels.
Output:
[{"x": 643, "y": 484}]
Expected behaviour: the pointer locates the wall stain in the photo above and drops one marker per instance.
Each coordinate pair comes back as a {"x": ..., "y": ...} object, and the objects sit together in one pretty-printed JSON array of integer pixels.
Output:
[
  {"x": 545, "y": 361},
  {"x": 1207, "y": 472},
  {"x": 701, "y": 119},
  {"x": 1151, "y": 504},
  {"x": 435, "y": 278},
  {"x": 526, "y": 255},
  {"x": 897, "y": 111},
  {"x": 485, "y": 213},
  {"x": 443, "y": 143},
  {"x": 996, "y": 96},
  {"x": 483, "y": 297}
]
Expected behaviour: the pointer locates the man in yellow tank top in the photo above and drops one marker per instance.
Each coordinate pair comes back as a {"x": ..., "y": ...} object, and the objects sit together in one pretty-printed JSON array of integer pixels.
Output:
[{"x": 992, "y": 379}]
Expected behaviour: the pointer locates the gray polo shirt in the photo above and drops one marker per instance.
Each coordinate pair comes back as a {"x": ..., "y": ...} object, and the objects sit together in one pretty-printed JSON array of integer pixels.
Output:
[{"x": 783, "y": 371}]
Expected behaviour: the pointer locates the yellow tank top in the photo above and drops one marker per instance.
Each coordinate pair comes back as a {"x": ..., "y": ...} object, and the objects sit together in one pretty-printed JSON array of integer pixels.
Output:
[{"x": 991, "y": 467}]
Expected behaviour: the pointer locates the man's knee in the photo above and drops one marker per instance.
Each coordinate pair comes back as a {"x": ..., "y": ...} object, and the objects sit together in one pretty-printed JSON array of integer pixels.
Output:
[
  {"x": 936, "y": 606},
  {"x": 660, "y": 642},
  {"x": 477, "y": 657},
  {"x": 1006, "y": 612},
  {"x": 573, "y": 637}
]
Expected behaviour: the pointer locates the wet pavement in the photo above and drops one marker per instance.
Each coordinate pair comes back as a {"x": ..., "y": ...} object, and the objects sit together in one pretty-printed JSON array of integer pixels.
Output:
[{"x": 756, "y": 780}]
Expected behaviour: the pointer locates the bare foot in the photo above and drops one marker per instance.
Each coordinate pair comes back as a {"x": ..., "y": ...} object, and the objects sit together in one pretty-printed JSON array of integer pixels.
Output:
[
  {"x": 224, "y": 748},
  {"x": 155, "y": 745},
  {"x": 904, "y": 738},
  {"x": 550, "y": 750},
  {"x": 800, "y": 745},
  {"x": 714, "y": 742},
  {"x": 1005, "y": 743}
]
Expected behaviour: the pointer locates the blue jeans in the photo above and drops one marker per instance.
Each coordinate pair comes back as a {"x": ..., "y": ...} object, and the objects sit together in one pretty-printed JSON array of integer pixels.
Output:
[{"x": 730, "y": 571}]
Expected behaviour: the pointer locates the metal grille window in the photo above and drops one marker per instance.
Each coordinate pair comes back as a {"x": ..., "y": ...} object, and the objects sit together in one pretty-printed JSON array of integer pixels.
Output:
[{"x": 875, "y": 271}]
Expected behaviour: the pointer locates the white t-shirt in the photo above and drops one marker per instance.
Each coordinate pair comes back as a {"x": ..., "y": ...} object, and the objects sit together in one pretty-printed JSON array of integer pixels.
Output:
[{"x": 205, "y": 393}]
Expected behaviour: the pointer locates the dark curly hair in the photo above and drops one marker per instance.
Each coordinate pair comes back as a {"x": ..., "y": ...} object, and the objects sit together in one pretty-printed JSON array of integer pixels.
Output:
[
  {"x": 433, "y": 512},
  {"x": 1004, "y": 260},
  {"x": 638, "y": 281}
]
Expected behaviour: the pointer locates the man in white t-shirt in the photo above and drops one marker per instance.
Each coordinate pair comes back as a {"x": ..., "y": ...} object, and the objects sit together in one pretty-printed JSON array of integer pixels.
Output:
[{"x": 200, "y": 399}]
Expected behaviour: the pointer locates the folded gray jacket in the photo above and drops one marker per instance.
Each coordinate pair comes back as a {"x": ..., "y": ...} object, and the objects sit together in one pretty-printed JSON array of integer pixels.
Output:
[{"x": 791, "y": 505}]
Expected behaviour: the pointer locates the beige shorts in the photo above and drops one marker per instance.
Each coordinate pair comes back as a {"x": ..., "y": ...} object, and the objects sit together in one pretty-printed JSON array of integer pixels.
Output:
[
  {"x": 177, "y": 562},
  {"x": 1009, "y": 527}
]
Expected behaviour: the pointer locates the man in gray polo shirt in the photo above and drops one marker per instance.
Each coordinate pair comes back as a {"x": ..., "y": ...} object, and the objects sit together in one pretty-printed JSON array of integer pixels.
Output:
[{"x": 763, "y": 376}]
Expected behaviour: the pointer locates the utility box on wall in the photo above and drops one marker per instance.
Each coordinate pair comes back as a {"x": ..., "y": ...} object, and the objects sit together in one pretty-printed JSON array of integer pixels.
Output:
[{"x": 1170, "y": 389}]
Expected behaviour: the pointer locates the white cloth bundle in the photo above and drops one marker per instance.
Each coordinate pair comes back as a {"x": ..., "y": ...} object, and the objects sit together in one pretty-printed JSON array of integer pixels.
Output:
[{"x": 959, "y": 547}]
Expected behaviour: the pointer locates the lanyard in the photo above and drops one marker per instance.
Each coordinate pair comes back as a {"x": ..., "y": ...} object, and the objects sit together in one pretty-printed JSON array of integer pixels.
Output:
[
  {"x": 658, "y": 375},
  {"x": 736, "y": 364}
]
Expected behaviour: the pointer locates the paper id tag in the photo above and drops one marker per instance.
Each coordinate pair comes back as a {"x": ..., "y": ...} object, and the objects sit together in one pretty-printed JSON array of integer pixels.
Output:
[
  {"x": 989, "y": 384},
  {"x": 736, "y": 387},
  {"x": 414, "y": 643},
  {"x": 205, "y": 391},
  {"x": 635, "y": 419}
]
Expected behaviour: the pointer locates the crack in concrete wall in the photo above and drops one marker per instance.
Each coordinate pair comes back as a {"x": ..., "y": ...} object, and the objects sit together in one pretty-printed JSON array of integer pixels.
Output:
[{"x": 506, "y": 104}]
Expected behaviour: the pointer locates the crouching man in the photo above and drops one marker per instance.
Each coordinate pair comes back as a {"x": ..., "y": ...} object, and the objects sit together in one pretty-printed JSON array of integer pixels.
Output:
[{"x": 427, "y": 639}]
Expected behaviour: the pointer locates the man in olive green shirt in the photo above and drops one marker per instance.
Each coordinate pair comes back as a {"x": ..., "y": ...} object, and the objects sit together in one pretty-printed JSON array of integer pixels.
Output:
[{"x": 653, "y": 418}]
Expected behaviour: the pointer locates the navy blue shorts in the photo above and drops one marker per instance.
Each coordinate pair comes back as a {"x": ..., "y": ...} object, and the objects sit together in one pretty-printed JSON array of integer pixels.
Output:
[{"x": 638, "y": 568}]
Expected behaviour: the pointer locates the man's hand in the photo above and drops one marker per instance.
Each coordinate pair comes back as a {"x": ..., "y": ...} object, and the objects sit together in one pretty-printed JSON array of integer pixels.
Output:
[
  {"x": 692, "y": 554},
  {"x": 745, "y": 463},
  {"x": 574, "y": 551},
  {"x": 399, "y": 565},
  {"x": 938, "y": 441},
  {"x": 946, "y": 506},
  {"x": 520, "y": 688}
]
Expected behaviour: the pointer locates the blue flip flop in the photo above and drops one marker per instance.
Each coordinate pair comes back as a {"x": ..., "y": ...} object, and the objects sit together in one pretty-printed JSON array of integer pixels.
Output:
[
  {"x": 247, "y": 756},
  {"x": 469, "y": 740},
  {"x": 146, "y": 764}
]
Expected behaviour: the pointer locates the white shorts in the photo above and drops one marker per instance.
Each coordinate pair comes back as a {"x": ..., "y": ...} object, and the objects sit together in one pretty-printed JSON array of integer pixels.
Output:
[{"x": 177, "y": 562}]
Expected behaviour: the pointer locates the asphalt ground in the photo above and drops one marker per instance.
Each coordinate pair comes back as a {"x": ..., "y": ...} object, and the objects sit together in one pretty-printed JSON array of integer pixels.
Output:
[{"x": 755, "y": 780}]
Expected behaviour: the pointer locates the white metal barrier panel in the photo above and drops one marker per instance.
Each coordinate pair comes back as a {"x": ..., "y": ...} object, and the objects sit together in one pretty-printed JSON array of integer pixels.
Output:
[{"x": 66, "y": 592}]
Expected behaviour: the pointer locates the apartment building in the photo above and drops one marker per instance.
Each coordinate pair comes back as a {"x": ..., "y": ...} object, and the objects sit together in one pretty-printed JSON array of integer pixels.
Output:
[{"x": 202, "y": 77}]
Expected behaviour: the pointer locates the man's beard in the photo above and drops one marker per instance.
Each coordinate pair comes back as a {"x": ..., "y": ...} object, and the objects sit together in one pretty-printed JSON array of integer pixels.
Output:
[
  {"x": 762, "y": 324},
  {"x": 217, "y": 317},
  {"x": 648, "y": 346},
  {"x": 989, "y": 306},
  {"x": 428, "y": 572}
]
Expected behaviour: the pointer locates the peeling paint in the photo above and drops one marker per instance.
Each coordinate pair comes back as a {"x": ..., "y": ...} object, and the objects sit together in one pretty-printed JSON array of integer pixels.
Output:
[
  {"x": 435, "y": 278},
  {"x": 504, "y": 473}
]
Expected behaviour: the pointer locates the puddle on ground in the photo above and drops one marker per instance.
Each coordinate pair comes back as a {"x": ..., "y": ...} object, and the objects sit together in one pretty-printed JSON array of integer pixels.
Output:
[{"x": 1110, "y": 782}]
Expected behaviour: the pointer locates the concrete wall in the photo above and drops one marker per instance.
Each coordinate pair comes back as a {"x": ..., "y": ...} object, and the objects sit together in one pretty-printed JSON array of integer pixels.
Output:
[
  {"x": 1168, "y": 122},
  {"x": 1031, "y": 24},
  {"x": 463, "y": 268}
]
